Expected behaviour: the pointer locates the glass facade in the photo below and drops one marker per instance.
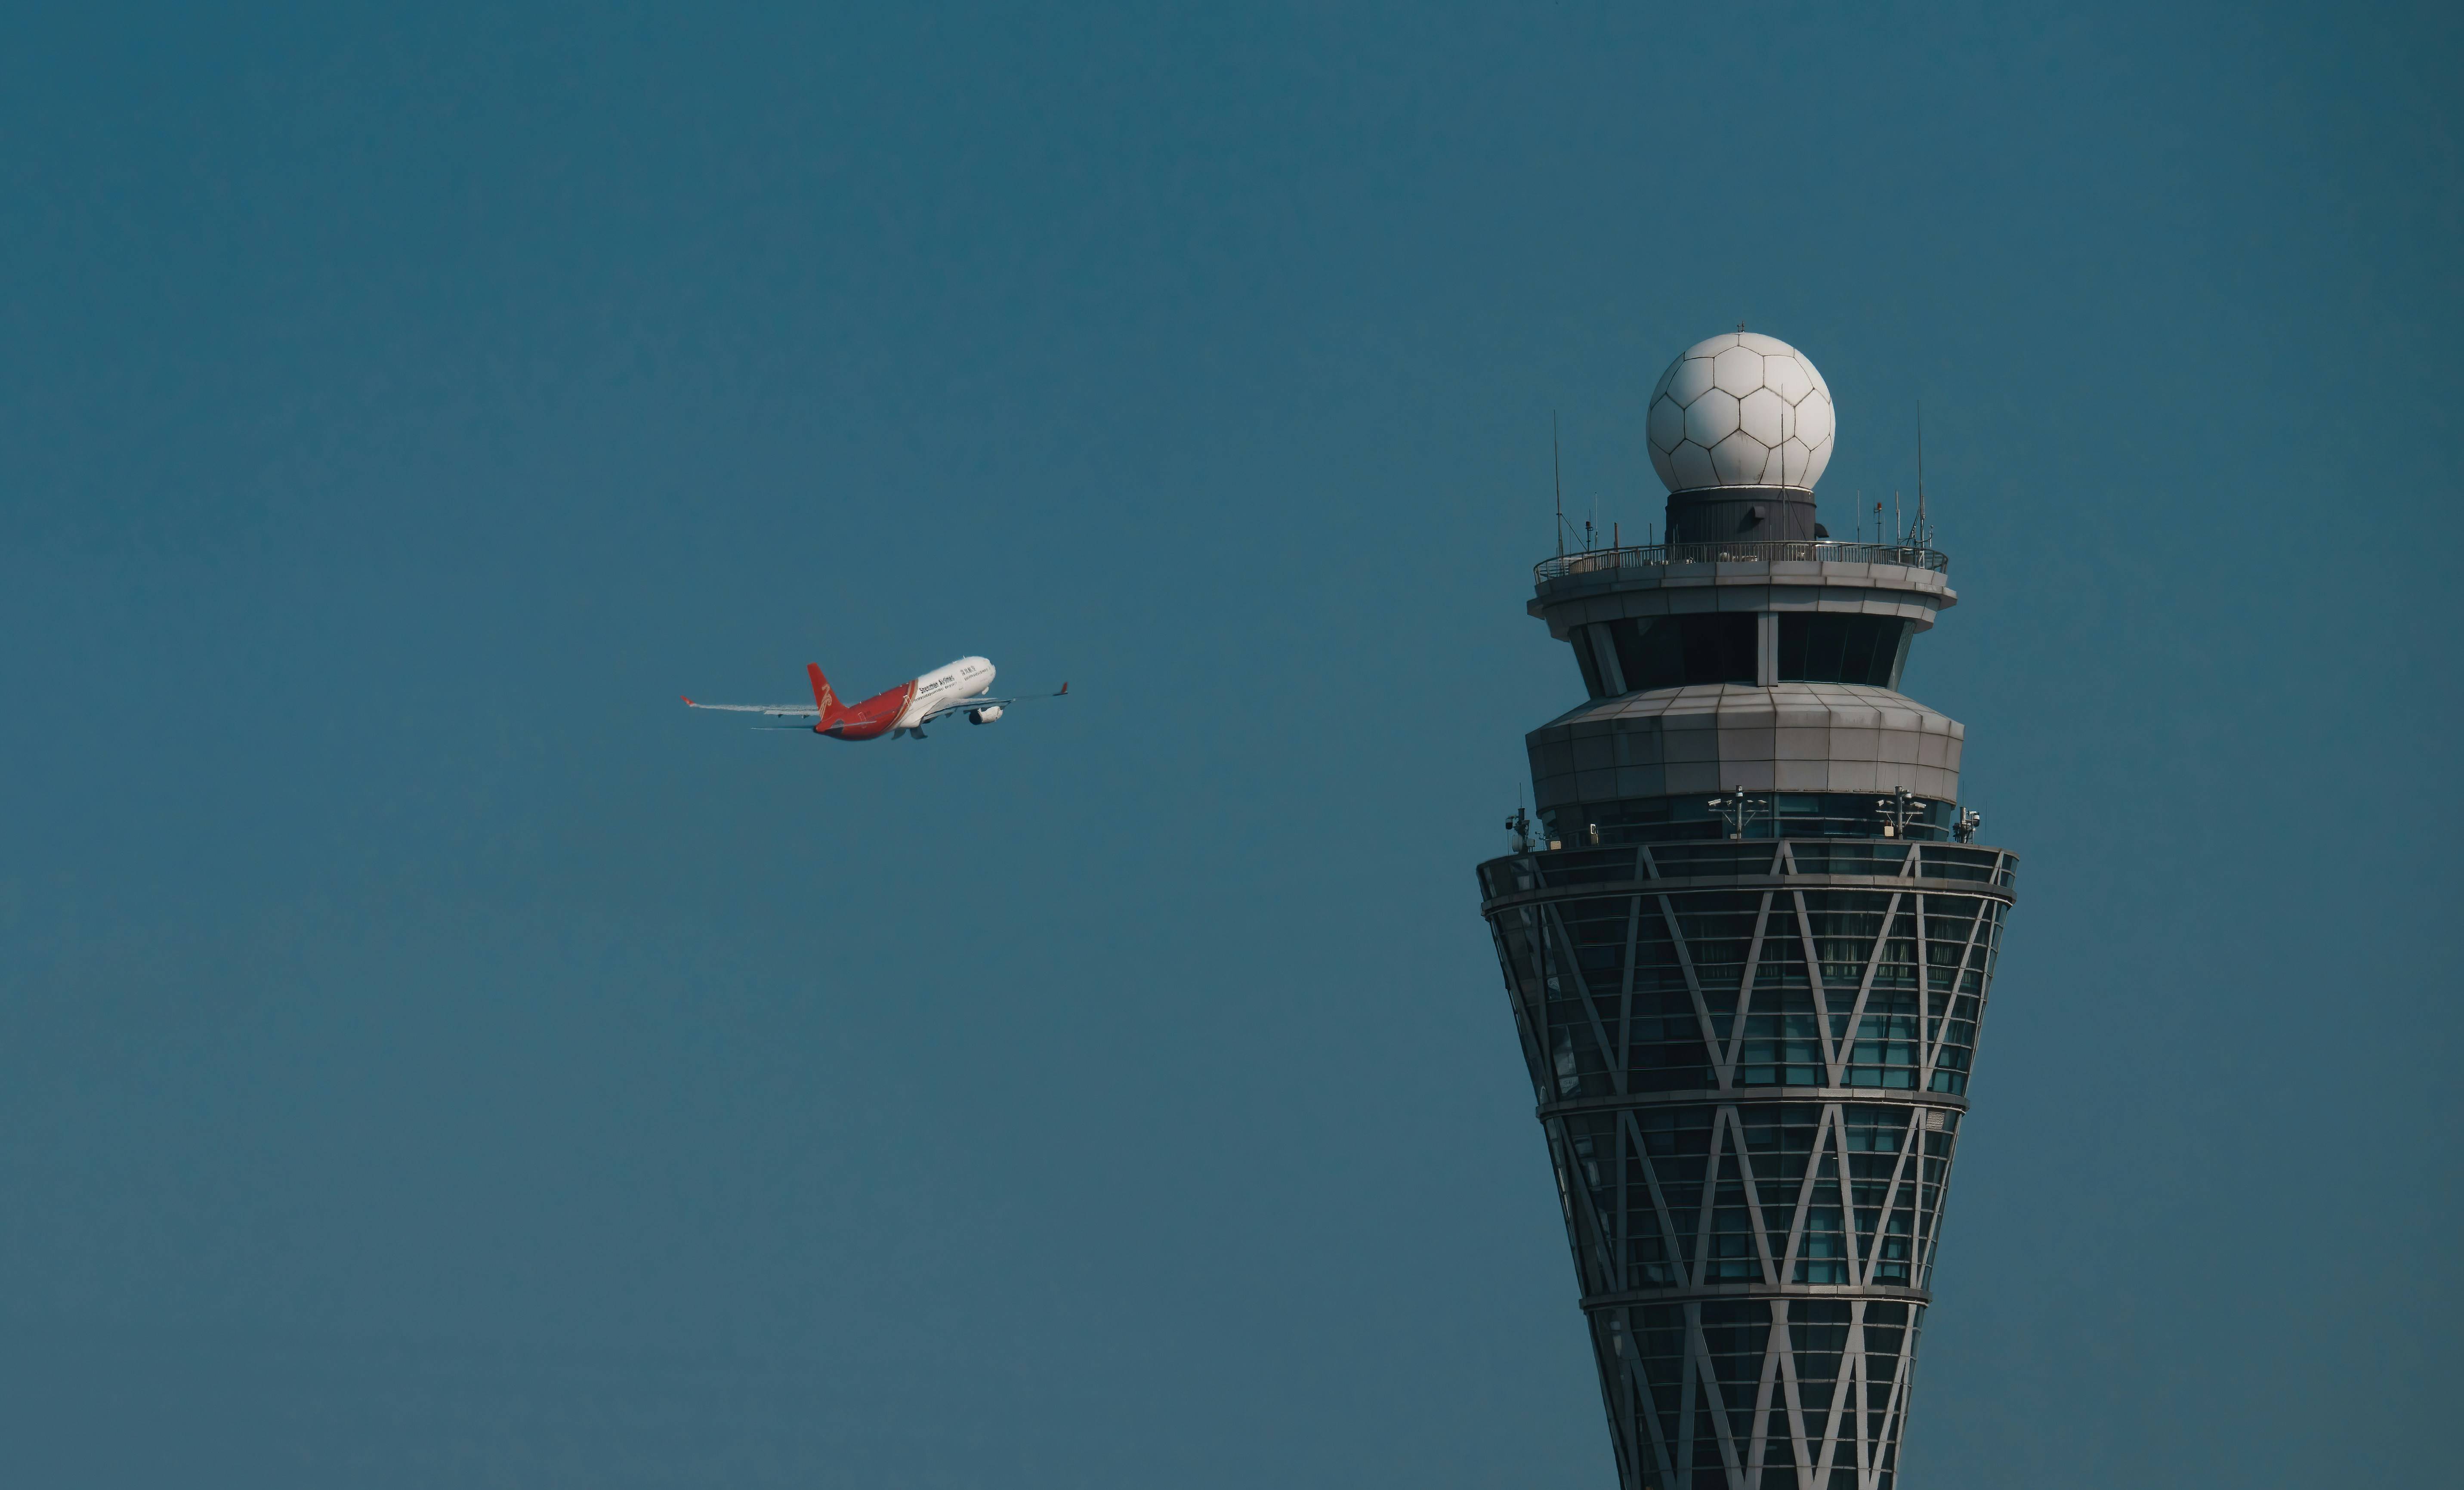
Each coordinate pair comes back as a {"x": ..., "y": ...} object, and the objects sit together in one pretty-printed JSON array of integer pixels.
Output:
[
  {"x": 1671, "y": 651},
  {"x": 1762, "y": 1393},
  {"x": 1761, "y": 1193},
  {"x": 1743, "y": 988},
  {"x": 1829, "y": 648},
  {"x": 1646, "y": 653},
  {"x": 1751, "y": 1092}
]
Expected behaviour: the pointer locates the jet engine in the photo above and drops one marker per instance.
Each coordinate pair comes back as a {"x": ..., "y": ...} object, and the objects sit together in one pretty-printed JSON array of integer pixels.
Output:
[{"x": 985, "y": 715}]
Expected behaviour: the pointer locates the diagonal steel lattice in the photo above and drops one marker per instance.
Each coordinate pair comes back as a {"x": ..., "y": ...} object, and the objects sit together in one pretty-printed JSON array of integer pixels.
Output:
[{"x": 1751, "y": 1061}]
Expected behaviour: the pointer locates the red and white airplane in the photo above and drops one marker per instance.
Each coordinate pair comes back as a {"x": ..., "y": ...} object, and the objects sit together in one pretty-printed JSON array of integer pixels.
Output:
[{"x": 963, "y": 687}]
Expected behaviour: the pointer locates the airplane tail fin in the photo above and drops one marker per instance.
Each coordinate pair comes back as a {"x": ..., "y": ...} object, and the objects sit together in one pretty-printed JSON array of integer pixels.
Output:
[{"x": 823, "y": 699}]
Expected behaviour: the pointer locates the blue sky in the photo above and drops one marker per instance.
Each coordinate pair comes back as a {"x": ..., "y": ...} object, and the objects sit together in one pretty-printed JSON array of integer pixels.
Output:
[{"x": 427, "y": 1055}]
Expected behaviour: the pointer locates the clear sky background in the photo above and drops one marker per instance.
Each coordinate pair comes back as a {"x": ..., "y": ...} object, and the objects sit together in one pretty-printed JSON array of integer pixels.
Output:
[{"x": 430, "y": 1056}]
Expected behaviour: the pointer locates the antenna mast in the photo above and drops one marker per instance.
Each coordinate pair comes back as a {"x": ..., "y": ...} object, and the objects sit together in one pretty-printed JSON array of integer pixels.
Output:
[
  {"x": 1924, "y": 529},
  {"x": 1557, "y": 479}
]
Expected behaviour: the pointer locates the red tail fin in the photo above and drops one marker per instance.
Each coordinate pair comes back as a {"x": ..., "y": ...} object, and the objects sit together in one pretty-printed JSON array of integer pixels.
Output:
[{"x": 822, "y": 699}]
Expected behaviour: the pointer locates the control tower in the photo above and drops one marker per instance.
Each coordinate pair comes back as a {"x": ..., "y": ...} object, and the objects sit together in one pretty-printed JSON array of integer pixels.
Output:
[{"x": 1748, "y": 944}]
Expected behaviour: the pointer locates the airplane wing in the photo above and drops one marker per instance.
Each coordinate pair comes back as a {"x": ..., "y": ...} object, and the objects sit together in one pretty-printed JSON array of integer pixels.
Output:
[
  {"x": 962, "y": 705},
  {"x": 783, "y": 710}
]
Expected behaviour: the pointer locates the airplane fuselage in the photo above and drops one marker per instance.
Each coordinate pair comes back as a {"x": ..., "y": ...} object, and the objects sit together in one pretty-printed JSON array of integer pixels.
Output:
[
  {"x": 955, "y": 688},
  {"x": 900, "y": 709}
]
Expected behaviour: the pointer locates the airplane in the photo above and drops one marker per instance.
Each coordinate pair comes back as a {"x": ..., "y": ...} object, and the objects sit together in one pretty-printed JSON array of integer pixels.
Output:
[{"x": 961, "y": 687}]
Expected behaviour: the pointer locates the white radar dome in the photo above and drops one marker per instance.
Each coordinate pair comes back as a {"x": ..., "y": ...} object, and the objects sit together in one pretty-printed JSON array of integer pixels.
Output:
[{"x": 1741, "y": 410}]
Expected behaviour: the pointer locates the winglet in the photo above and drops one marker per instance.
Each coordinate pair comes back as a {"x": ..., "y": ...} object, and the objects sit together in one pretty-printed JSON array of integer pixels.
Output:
[
  {"x": 689, "y": 704},
  {"x": 1064, "y": 689}
]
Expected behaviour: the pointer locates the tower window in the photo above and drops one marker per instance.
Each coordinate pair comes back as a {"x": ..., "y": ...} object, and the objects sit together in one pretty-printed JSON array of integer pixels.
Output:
[
  {"x": 1675, "y": 650},
  {"x": 1597, "y": 685},
  {"x": 1841, "y": 648}
]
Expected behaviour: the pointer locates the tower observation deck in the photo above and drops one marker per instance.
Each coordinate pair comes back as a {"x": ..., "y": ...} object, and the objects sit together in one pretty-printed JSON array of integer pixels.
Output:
[{"x": 1747, "y": 944}]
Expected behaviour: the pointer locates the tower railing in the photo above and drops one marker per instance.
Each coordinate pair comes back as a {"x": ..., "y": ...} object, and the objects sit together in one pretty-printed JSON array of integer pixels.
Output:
[
  {"x": 1761, "y": 861},
  {"x": 1811, "y": 551}
]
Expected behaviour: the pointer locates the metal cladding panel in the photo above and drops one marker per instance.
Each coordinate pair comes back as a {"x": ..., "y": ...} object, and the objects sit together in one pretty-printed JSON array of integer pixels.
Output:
[
  {"x": 1690, "y": 740},
  {"x": 1695, "y": 777},
  {"x": 1813, "y": 775},
  {"x": 1835, "y": 737},
  {"x": 1643, "y": 780}
]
